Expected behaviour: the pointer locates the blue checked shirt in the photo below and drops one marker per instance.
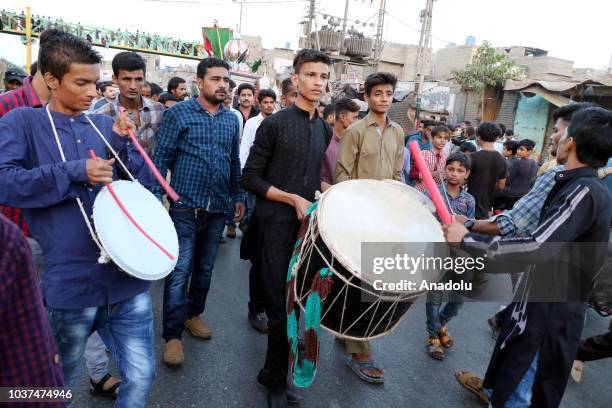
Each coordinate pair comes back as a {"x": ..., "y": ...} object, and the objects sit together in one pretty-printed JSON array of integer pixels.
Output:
[
  {"x": 463, "y": 204},
  {"x": 201, "y": 150},
  {"x": 525, "y": 215}
]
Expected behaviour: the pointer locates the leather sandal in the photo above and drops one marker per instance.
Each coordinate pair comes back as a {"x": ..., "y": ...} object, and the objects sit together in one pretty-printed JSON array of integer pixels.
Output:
[
  {"x": 472, "y": 383},
  {"x": 97, "y": 389},
  {"x": 434, "y": 349},
  {"x": 445, "y": 338}
]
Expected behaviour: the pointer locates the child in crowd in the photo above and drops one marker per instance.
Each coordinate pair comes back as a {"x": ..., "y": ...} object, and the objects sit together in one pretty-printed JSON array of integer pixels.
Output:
[
  {"x": 468, "y": 148},
  {"x": 434, "y": 158},
  {"x": 521, "y": 175},
  {"x": 459, "y": 202},
  {"x": 510, "y": 151}
]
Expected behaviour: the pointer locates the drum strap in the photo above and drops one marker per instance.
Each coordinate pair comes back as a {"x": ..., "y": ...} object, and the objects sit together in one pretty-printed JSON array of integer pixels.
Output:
[
  {"x": 104, "y": 257},
  {"x": 303, "y": 361},
  {"x": 123, "y": 166}
]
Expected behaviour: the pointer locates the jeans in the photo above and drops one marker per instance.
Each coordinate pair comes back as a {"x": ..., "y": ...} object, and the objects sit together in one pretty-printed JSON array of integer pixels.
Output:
[
  {"x": 95, "y": 357},
  {"x": 437, "y": 318},
  {"x": 199, "y": 232},
  {"x": 250, "y": 206},
  {"x": 229, "y": 219},
  {"x": 127, "y": 326},
  {"x": 521, "y": 397}
]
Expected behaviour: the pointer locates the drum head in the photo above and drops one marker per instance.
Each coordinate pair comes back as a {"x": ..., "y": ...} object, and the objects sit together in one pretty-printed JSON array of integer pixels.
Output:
[
  {"x": 416, "y": 194},
  {"x": 124, "y": 243},
  {"x": 359, "y": 211}
]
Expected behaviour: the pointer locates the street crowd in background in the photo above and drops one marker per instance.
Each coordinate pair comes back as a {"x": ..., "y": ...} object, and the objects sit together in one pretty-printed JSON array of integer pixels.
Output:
[{"x": 244, "y": 158}]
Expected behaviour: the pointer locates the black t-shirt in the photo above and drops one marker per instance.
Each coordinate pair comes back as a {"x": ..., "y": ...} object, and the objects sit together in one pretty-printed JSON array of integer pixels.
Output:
[
  {"x": 488, "y": 166},
  {"x": 521, "y": 174}
]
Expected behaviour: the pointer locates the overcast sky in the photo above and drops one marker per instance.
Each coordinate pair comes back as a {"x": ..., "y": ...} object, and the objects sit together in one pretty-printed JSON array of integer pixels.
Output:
[{"x": 578, "y": 31}]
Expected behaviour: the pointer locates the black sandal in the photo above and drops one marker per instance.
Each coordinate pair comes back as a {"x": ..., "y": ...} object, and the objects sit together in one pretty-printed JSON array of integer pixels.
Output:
[{"x": 97, "y": 389}]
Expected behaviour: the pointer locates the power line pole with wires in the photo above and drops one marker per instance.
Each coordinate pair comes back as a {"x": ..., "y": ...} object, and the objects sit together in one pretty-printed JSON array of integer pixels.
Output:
[
  {"x": 341, "y": 45},
  {"x": 378, "y": 38},
  {"x": 311, "y": 17},
  {"x": 424, "y": 47}
]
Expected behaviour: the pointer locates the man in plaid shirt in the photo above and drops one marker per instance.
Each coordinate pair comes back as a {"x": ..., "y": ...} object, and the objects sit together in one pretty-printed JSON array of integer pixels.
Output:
[
  {"x": 27, "y": 351},
  {"x": 128, "y": 74},
  {"x": 198, "y": 141}
]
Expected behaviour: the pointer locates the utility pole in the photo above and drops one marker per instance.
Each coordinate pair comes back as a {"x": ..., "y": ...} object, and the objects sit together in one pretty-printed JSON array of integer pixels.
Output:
[
  {"x": 424, "y": 45},
  {"x": 311, "y": 17},
  {"x": 240, "y": 23},
  {"x": 341, "y": 45},
  {"x": 378, "y": 40}
]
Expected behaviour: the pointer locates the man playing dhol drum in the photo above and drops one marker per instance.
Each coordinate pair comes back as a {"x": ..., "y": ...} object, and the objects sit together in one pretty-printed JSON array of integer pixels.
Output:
[
  {"x": 81, "y": 294},
  {"x": 284, "y": 170},
  {"x": 362, "y": 155}
]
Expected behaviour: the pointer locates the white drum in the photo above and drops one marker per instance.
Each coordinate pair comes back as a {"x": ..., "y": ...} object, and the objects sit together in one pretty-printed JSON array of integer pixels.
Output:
[
  {"x": 124, "y": 243},
  {"x": 416, "y": 194},
  {"x": 349, "y": 214}
]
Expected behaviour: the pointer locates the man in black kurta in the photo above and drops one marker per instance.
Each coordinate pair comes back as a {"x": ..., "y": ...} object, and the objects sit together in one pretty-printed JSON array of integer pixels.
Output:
[
  {"x": 283, "y": 170},
  {"x": 533, "y": 356}
]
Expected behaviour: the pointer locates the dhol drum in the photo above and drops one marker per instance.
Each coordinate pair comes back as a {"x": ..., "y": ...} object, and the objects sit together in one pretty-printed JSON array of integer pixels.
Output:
[
  {"x": 143, "y": 244},
  {"x": 416, "y": 194},
  {"x": 347, "y": 215}
]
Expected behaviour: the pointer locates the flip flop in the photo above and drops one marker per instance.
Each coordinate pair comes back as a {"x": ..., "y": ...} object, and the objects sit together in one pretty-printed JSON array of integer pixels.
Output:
[
  {"x": 472, "y": 383},
  {"x": 577, "y": 370},
  {"x": 358, "y": 368}
]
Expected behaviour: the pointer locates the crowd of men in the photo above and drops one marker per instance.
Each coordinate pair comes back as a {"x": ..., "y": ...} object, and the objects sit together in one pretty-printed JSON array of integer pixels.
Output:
[{"x": 260, "y": 163}]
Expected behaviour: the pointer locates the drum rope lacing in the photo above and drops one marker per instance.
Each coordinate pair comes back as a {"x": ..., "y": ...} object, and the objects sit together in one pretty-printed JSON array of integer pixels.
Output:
[
  {"x": 312, "y": 234},
  {"x": 104, "y": 257},
  {"x": 308, "y": 244}
]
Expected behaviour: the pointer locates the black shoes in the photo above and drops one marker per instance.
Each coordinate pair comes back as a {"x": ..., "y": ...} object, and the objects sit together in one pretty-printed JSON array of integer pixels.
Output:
[
  {"x": 259, "y": 321},
  {"x": 276, "y": 398}
]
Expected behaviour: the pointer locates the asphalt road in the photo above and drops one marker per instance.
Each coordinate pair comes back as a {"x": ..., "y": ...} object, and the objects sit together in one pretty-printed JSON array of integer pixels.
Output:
[{"x": 221, "y": 372}]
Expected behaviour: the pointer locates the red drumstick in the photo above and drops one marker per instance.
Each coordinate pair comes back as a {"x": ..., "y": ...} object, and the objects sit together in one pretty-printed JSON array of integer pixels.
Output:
[
  {"x": 92, "y": 154},
  {"x": 430, "y": 184},
  {"x": 161, "y": 180}
]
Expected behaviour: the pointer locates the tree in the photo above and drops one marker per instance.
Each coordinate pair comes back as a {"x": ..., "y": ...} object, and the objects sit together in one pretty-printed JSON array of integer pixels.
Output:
[{"x": 488, "y": 68}]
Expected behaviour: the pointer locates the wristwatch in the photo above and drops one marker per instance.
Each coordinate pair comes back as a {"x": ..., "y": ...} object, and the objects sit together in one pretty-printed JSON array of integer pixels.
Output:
[{"x": 469, "y": 224}]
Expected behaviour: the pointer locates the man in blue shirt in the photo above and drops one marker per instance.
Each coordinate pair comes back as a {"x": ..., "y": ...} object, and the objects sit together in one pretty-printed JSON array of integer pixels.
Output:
[
  {"x": 199, "y": 142},
  {"x": 81, "y": 294}
]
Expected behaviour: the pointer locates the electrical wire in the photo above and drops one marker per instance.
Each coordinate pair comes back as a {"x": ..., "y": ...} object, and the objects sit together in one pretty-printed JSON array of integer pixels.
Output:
[
  {"x": 414, "y": 28},
  {"x": 225, "y": 3}
]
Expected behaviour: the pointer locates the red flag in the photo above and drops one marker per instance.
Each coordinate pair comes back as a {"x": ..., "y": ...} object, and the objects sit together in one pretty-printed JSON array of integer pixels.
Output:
[{"x": 207, "y": 45}]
